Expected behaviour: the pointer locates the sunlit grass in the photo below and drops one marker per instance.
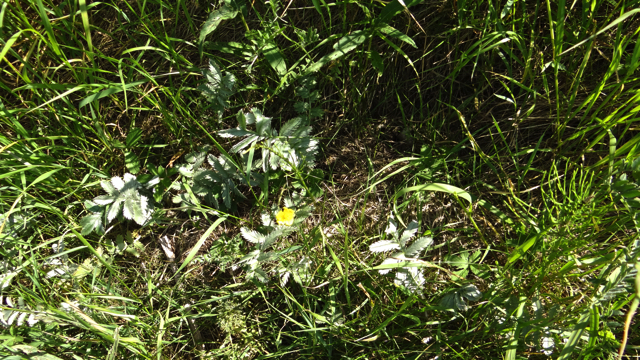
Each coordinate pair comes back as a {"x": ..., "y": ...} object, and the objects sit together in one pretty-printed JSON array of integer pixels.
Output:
[{"x": 505, "y": 130}]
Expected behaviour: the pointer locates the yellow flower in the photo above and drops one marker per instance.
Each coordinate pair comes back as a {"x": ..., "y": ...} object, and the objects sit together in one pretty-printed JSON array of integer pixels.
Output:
[{"x": 285, "y": 217}]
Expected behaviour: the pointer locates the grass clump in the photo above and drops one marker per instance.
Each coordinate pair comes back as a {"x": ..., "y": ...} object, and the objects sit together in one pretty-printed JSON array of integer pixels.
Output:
[{"x": 354, "y": 179}]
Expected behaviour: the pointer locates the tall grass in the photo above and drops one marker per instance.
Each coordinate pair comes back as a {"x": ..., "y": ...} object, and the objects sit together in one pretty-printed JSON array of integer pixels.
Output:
[{"x": 505, "y": 130}]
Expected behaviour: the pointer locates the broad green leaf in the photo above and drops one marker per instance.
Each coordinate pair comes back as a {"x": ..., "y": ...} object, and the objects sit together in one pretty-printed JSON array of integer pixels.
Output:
[
  {"x": 436, "y": 187},
  {"x": 376, "y": 61},
  {"x": 393, "y": 32},
  {"x": 275, "y": 58},
  {"x": 133, "y": 137},
  {"x": 215, "y": 18},
  {"x": 470, "y": 292},
  {"x": 343, "y": 46},
  {"x": 520, "y": 250},
  {"x": 199, "y": 244},
  {"x": 132, "y": 162}
]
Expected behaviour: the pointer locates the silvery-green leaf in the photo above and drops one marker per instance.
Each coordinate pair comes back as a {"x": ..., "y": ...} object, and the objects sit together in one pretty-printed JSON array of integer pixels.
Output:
[
  {"x": 244, "y": 143},
  {"x": 32, "y": 320},
  {"x": 384, "y": 245},
  {"x": 146, "y": 209},
  {"x": 267, "y": 220},
  {"x": 250, "y": 256},
  {"x": 470, "y": 292},
  {"x": 5, "y": 279},
  {"x": 93, "y": 207},
  {"x": 104, "y": 199},
  {"x": 12, "y": 317},
  {"x": 114, "y": 210},
  {"x": 21, "y": 318},
  {"x": 108, "y": 187},
  {"x": 267, "y": 256},
  {"x": 226, "y": 194},
  {"x": 185, "y": 171},
  {"x": 129, "y": 177},
  {"x": 411, "y": 230},
  {"x": 229, "y": 133},
  {"x": 392, "y": 227},
  {"x": 274, "y": 235},
  {"x": 284, "y": 278},
  {"x": 252, "y": 236},
  {"x": 260, "y": 275},
  {"x": 153, "y": 182},
  {"x": 128, "y": 209},
  {"x": 263, "y": 123},
  {"x": 117, "y": 182},
  {"x": 420, "y": 244}
]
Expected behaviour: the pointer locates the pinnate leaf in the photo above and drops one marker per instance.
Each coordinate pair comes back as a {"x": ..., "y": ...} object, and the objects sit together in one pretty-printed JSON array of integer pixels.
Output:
[{"x": 384, "y": 245}]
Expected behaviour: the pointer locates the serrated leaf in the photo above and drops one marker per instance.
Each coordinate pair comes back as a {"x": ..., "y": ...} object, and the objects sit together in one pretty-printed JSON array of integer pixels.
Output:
[
  {"x": 252, "y": 236},
  {"x": 284, "y": 278},
  {"x": 460, "y": 261},
  {"x": 90, "y": 223},
  {"x": 114, "y": 210},
  {"x": 108, "y": 187},
  {"x": 128, "y": 209},
  {"x": 290, "y": 126},
  {"x": 117, "y": 182},
  {"x": 384, "y": 245},
  {"x": 234, "y": 133},
  {"x": 267, "y": 256},
  {"x": 418, "y": 245},
  {"x": 104, "y": 199},
  {"x": 93, "y": 207},
  {"x": 301, "y": 107},
  {"x": 260, "y": 275},
  {"x": 409, "y": 232},
  {"x": 127, "y": 177}
]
